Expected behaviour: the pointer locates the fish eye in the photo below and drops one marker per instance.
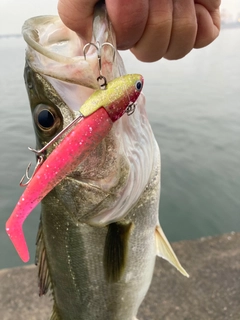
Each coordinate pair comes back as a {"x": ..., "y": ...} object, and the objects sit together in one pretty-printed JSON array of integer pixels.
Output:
[
  {"x": 46, "y": 119},
  {"x": 138, "y": 85}
]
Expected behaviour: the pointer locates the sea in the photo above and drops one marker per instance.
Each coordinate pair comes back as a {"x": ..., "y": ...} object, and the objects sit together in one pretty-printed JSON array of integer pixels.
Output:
[{"x": 193, "y": 105}]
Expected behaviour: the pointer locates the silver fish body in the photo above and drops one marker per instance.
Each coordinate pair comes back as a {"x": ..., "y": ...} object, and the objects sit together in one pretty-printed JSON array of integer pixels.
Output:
[{"x": 99, "y": 232}]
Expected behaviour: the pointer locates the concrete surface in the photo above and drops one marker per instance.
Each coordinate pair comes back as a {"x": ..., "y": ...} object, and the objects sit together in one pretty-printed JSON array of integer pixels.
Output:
[{"x": 211, "y": 293}]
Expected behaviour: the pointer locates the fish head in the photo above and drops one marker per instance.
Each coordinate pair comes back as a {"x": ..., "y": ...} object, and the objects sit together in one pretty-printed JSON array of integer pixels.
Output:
[{"x": 50, "y": 114}]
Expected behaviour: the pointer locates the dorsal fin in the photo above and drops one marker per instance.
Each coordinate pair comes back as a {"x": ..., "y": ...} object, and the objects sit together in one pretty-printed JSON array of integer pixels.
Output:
[
  {"x": 116, "y": 250},
  {"x": 165, "y": 251}
]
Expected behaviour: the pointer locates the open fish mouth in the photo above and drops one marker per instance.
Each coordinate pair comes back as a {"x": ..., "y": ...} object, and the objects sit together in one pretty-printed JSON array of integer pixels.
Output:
[
  {"x": 57, "y": 52},
  {"x": 49, "y": 40}
]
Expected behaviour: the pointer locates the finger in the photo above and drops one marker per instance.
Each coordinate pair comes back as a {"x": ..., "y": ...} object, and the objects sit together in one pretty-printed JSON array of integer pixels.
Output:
[
  {"x": 128, "y": 19},
  {"x": 210, "y": 5},
  {"x": 208, "y": 26},
  {"x": 155, "y": 39},
  {"x": 184, "y": 29},
  {"x": 78, "y": 16}
]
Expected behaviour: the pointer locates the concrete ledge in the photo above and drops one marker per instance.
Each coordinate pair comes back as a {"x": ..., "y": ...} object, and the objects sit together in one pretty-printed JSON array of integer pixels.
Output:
[{"x": 211, "y": 293}]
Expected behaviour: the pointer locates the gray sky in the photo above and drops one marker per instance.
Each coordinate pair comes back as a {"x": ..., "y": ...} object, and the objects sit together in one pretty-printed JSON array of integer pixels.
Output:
[{"x": 13, "y": 13}]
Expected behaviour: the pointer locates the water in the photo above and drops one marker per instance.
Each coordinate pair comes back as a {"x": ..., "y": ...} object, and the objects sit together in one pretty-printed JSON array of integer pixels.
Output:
[{"x": 193, "y": 105}]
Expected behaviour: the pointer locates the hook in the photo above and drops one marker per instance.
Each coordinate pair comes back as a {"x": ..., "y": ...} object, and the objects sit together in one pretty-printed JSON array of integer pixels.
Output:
[
  {"x": 103, "y": 85},
  {"x": 99, "y": 48},
  {"x": 111, "y": 45},
  {"x": 26, "y": 175},
  {"x": 41, "y": 151}
]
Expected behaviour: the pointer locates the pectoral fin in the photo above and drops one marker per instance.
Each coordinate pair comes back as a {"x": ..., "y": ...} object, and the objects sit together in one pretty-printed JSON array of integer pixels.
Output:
[
  {"x": 116, "y": 250},
  {"x": 165, "y": 251}
]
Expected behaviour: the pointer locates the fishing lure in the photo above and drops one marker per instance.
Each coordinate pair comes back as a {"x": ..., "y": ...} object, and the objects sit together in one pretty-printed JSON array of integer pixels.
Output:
[{"x": 97, "y": 116}]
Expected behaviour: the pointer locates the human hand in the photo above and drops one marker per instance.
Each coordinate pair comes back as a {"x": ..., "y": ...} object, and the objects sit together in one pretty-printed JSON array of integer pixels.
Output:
[{"x": 151, "y": 29}]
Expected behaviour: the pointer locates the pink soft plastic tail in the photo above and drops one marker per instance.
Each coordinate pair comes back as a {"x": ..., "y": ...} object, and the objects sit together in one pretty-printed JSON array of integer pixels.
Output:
[{"x": 73, "y": 149}]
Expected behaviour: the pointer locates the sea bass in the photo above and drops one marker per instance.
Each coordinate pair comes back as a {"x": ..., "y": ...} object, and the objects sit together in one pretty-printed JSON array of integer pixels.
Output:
[
  {"x": 99, "y": 230},
  {"x": 100, "y": 111}
]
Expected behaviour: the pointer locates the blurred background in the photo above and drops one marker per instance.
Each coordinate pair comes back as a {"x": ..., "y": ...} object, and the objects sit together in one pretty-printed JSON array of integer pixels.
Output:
[{"x": 194, "y": 108}]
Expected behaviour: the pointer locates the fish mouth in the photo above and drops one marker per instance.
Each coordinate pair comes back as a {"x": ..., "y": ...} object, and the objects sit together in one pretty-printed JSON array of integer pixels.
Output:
[{"x": 58, "y": 52}]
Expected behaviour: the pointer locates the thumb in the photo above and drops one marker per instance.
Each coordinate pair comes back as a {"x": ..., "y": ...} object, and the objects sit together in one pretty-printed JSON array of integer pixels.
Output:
[{"x": 77, "y": 15}]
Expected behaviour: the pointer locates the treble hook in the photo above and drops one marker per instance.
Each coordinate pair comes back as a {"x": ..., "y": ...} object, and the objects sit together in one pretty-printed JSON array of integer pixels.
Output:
[
  {"x": 99, "y": 47},
  {"x": 40, "y": 153},
  {"x": 26, "y": 175}
]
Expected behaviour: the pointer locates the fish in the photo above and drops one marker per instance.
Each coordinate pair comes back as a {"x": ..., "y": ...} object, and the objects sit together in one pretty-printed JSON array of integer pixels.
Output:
[
  {"x": 74, "y": 148},
  {"x": 99, "y": 231}
]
